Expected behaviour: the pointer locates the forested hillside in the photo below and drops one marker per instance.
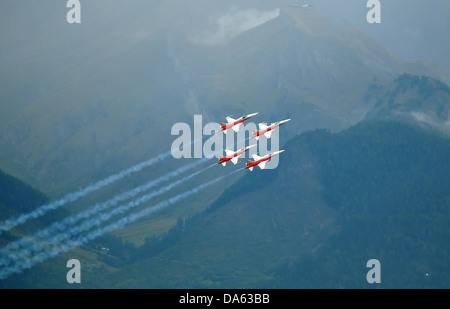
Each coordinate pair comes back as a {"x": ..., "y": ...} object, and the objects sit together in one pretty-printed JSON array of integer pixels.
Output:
[
  {"x": 390, "y": 183},
  {"x": 17, "y": 197},
  {"x": 377, "y": 190}
]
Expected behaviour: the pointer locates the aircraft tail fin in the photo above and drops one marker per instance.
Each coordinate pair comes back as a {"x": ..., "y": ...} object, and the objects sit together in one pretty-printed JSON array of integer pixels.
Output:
[
  {"x": 229, "y": 152},
  {"x": 263, "y": 126},
  {"x": 256, "y": 157},
  {"x": 229, "y": 119}
]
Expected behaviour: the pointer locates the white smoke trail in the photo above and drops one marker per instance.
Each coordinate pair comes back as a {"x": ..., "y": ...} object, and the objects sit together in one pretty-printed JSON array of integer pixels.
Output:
[
  {"x": 8, "y": 253},
  {"x": 71, "y": 197},
  {"x": 35, "y": 246},
  {"x": 70, "y": 244},
  {"x": 145, "y": 212}
]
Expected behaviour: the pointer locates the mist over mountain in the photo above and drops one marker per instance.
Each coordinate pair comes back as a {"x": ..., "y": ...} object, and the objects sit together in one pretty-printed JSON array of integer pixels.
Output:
[
  {"x": 421, "y": 100},
  {"x": 80, "y": 102}
]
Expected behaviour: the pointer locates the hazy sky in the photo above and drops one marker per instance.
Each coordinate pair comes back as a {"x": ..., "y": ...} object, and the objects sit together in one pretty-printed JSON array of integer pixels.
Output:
[{"x": 411, "y": 29}]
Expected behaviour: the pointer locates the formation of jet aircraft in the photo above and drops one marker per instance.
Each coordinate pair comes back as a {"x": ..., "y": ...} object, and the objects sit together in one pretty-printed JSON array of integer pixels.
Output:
[{"x": 264, "y": 129}]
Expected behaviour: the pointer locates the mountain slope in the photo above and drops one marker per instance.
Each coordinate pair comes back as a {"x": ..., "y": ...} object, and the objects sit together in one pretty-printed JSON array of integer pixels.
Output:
[
  {"x": 422, "y": 100},
  {"x": 376, "y": 190},
  {"x": 16, "y": 198},
  {"x": 390, "y": 186}
]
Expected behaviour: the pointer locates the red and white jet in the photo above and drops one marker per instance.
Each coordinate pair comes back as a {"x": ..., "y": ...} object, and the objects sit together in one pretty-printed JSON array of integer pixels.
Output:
[
  {"x": 261, "y": 161},
  {"x": 235, "y": 123},
  {"x": 233, "y": 156},
  {"x": 266, "y": 130}
]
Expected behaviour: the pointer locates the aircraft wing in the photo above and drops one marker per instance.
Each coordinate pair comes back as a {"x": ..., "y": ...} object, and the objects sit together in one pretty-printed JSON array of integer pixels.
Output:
[
  {"x": 262, "y": 165},
  {"x": 268, "y": 134}
]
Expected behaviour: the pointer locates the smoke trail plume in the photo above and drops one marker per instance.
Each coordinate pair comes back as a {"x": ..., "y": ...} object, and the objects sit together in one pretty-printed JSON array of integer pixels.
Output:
[
  {"x": 71, "y": 197},
  {"x": 57, "y": 249},
  {"x": 35, "y": 246},
  {"x": 8, "y": 253}
]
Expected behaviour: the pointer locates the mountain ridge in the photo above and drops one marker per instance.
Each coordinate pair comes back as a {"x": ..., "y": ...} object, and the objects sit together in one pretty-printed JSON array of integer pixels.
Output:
[{"x": 113, "y": 86}]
